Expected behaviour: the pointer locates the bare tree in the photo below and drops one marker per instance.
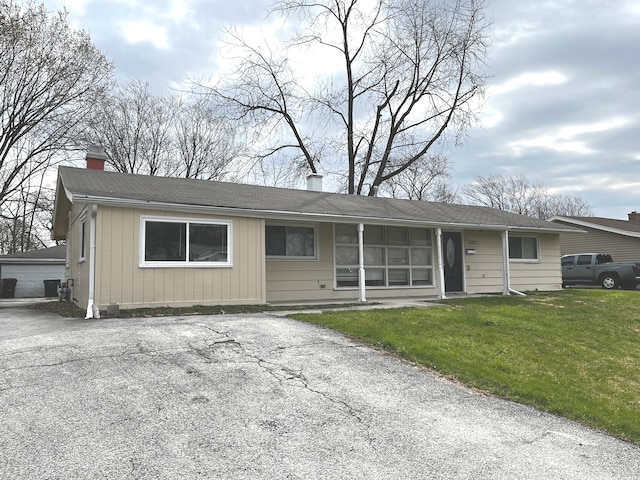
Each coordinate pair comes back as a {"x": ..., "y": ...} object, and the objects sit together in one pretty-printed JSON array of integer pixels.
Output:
[
  {"x": 205, "y": 143},
  {"x": 26, "y": 219},
  {"x": 409, "y": 73},
  {"x": 427, "y": 179},
  {"x": 146, "y": 133},
  {"x": 519, "y": 195},
  {"x": 133, "y": 125},
  {"x": 50, "y": 77},
  {"x": 566, "y": 206}
]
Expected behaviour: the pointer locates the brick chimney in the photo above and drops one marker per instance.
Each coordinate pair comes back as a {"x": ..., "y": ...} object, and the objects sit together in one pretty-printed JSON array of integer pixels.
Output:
[
  {"x": 634, "y": 217},
  {"x": 96, "y": 157}
]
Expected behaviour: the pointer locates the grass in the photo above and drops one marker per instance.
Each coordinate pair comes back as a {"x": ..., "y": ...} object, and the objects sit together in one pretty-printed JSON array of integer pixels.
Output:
[{"x": 575, "y": 353}]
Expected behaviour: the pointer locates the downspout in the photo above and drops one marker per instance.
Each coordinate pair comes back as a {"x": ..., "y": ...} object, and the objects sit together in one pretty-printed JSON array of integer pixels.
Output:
[
  {"x": 361, "y": 275},
  {"x": 440, "y": 258},
  {"x": 506, "y": 274},
  {"x": 92, "y": 309}
]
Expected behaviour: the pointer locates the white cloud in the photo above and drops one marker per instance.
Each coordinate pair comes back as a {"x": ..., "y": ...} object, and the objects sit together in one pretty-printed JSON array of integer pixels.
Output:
[
  {"x": 138, "y": 32},
  {"x": 631, "y": 8},
  {"x": 563, "y": 140},
  {"x": 490, "y": 118},
  {"x": 178, "y": 10},
  {"x": 512, "y": 34},
  {"x": 77, "y": 6},
  {"x": 528, "y": 79},
  {"x": 308, "y": 62}
]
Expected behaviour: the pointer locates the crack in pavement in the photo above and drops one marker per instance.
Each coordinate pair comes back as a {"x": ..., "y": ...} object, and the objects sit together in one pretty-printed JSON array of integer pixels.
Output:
[
  {"x": 96, "y": 357},
  {"x": 140, "y": 348},
  {"x": 206, "y": 349},
  {"x": 283, "y": 373}
]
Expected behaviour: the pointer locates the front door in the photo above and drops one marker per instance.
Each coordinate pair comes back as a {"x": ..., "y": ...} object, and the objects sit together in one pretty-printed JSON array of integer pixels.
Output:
[{"x": 452, "y": 259}]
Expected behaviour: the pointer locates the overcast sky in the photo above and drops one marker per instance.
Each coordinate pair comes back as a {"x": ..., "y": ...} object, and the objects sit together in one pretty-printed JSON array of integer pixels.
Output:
[{"x": 564, "y": 97}]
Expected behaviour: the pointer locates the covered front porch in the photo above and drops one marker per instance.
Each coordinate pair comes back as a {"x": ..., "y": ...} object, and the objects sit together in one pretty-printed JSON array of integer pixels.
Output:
[{"x": 363, "y": 262}]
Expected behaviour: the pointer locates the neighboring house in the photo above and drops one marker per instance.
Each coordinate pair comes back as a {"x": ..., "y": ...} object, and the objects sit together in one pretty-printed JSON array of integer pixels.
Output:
[
  {"x": 148, "y": 241},
  {"x": 618, "y": 238},
  {"x": 32, "y": 269}
]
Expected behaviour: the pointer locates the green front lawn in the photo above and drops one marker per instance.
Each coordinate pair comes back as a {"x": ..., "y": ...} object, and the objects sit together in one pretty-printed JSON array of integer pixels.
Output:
[{"x": 575, "y": 352}]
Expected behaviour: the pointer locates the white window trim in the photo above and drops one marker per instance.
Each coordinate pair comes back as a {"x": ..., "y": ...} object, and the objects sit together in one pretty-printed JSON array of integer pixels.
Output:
[
  {"x": 526, "y": 260},
  {"x": 82, "y": 251},
  {"x": 142, "y": 263},
  {"x": 290, "y": 258},
  {"x": 387, "y": 267}
]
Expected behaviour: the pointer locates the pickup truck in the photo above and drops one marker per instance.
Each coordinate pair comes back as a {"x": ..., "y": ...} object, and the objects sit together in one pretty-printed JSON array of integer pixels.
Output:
[{"x": 598, "y": 269}]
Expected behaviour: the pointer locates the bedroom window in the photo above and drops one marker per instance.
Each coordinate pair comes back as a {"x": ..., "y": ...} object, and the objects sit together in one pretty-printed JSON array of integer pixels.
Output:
[
  {"x": 175, "y": 243},
  {"x": 291, "y": 241},
  {"x": 523, "y": 248},
  {"x": 393, "y": 256}
]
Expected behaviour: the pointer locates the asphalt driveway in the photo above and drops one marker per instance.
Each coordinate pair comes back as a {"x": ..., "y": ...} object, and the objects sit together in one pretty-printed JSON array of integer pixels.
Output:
[{"x": 260, "y": 396}]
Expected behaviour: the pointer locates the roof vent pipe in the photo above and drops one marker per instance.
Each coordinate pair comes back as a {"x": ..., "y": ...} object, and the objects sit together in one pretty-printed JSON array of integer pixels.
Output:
[
  {"x": 96, "y": 157},
  {"x": 314, "y": 182}
]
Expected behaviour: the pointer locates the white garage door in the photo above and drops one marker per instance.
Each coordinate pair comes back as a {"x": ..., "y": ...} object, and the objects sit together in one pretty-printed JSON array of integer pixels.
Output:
[{"x": 31, "y": 278}]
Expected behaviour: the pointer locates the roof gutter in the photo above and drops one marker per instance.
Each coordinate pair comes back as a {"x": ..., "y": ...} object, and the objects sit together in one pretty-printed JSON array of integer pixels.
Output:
[
  {"x": 597, "y": 226},
  {"x": 35, "y": 261}
]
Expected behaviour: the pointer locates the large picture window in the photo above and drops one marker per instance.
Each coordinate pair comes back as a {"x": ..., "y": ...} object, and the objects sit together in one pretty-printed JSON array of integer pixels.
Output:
[
  {"x": 291, "y": 241},
  {"x": 393, "y": 256},
  {"x": 523, "y": 248},
  {"x": 174, "y": 243}
]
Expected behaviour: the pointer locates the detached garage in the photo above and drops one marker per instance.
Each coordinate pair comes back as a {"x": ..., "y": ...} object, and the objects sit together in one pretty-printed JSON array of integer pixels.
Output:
[{"x": 35, "y": 273}]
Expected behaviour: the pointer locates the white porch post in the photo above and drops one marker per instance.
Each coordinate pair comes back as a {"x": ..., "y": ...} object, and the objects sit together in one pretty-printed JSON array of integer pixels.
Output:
[
  {"x": 505, "y": 263},
  {"x": 440, "y": 258},
  {"x": 361, "y": 276}
]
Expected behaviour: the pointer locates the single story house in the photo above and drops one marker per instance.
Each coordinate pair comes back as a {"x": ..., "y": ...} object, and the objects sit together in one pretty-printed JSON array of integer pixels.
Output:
[
  {"x": 139, "y": 241},
  {"x": 618, "y": 238},
  {"x": 37, "y": 272}
]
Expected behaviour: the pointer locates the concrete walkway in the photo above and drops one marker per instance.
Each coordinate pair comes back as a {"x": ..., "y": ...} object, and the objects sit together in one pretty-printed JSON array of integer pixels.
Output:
[{"x": 260, "y": 396}]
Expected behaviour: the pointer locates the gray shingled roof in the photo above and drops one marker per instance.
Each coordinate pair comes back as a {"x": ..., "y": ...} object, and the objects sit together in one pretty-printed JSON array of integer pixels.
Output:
[
  {"x": 608, "y": 223},
  {"x": 105, "y": 187},
  {"x": 51, "y": 254}
]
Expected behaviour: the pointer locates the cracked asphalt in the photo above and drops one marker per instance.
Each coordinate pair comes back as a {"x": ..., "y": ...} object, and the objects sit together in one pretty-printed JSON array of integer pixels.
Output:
[{"x": 256, "y": 397}]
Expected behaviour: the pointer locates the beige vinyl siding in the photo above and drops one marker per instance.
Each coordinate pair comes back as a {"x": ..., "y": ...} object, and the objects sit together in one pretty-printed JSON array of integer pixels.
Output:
[
  {"x": 253, "y": 279},
  {"x": 121, "y": 280},
  {"x": 302, "y": 280},
  {"x": 77, "y": 271},
  {"x": 621, "y": 247},
  {"x": 484, "y": 269},
  {"x": 374, "y": 293},
  {"x": 544, "y": 275}
]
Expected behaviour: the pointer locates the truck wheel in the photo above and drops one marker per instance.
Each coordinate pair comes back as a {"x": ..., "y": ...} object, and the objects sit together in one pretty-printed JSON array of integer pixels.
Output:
[{"x": 609, "y": 281}]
